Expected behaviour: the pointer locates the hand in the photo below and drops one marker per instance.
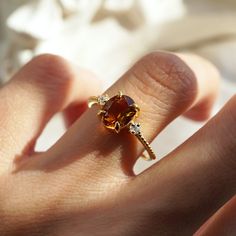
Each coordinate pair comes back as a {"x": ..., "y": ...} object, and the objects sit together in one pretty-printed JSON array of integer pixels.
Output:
[{"x": 84, "y": 184}]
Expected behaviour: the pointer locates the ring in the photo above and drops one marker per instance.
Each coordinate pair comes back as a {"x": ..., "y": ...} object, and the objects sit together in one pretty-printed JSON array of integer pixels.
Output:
[{"x": 120, "y": 112}]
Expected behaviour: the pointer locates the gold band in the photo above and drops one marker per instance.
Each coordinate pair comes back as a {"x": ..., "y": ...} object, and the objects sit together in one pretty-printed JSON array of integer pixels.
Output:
[
  {"x": 120, "y": 112},
  {"x": 134, "y": 128},
  {"x": 151, "y": 154}
]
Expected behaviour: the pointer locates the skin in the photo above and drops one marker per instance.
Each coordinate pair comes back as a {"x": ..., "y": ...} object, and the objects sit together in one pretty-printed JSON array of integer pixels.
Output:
[{"x": 84, "y": 184}]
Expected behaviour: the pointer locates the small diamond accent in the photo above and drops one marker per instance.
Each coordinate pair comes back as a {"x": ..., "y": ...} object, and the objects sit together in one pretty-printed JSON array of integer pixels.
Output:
[
  {"x": 134, "y": 128},
  {"x": 103, "y": 99}
]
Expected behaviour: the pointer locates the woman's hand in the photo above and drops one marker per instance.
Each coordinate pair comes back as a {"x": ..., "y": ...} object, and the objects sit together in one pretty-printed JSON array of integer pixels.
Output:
[{"x": 84, "y": 184}]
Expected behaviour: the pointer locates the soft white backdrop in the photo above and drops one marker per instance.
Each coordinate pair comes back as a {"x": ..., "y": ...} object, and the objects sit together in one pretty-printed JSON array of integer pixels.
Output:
[{"x": 107, "y": 36}]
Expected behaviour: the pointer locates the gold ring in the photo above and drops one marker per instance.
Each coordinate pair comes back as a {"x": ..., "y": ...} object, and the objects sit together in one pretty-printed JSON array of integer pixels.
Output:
[{"x": 120, "y": 112}]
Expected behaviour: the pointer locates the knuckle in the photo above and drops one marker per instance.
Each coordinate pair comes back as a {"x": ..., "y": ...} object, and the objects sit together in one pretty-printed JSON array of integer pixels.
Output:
[{"x": 168, "y": 73}]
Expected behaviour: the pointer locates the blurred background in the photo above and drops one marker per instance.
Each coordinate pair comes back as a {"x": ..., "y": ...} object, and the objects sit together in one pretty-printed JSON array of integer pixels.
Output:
[{"x": 108, "y": 36}]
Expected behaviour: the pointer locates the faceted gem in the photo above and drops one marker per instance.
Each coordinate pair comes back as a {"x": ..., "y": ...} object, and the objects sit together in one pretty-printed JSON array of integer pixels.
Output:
[
  {"x": 103, "y": 99},
  {"x": 119, "y": 111},
  {"x": 134, "y": 128}
]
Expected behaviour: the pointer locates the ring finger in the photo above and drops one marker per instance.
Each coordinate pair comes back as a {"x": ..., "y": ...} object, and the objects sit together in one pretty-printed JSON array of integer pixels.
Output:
[{"x": 164, "y": 86}]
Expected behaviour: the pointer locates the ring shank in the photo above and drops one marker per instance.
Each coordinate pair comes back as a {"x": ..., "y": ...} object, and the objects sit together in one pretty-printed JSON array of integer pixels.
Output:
[{"x": 147, "y": 146}]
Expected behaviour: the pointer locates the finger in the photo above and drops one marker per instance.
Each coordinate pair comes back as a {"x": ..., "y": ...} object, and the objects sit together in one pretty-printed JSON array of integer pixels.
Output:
[
  {"x": 222, "y": 223},
  {"x": 209, "y": 88},
  {"x": 199, "y": 112},
  {"x": 74, "y": 111},
  {"x": 163, "y": 86},
  {"x": 76, "y": 108},
  {"x": 43, "y": 87},
  {"x": 195, "y": 180}
]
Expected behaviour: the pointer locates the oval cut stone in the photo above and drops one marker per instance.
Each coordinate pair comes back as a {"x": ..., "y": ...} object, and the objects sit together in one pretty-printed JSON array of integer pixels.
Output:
[{"x": 118, "y": 110}]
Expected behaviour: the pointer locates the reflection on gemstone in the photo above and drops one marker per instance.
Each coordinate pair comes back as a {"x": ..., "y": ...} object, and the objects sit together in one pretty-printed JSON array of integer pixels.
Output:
[{"x": 118, "y": 110}]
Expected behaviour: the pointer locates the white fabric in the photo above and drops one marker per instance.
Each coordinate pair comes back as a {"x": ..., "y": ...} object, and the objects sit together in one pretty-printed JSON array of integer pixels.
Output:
[
  {"x": 107, "y": 36},
  {"x": 102, "y": 34}
]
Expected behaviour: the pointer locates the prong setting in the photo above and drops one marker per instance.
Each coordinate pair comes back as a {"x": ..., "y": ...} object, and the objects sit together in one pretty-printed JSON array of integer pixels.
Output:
[
  {"x": 101, "y": 112},
  {"x": 101, "y": 100},
  {"x": 92, "y": 101},
  {"x": 120, "y": 94},
  {"x": 117, "y": 127},
  {"x": 136, "y": 107}
]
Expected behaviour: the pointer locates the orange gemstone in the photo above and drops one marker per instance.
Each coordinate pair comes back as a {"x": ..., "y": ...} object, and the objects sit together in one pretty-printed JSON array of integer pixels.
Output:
[{"x": 118, "y": 110}]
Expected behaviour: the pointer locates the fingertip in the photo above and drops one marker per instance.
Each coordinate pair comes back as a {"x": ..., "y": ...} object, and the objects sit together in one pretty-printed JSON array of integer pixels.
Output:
[
  {"x": 201, "y": 112},
  {"x": 209, "y": 78},
  {"x": 198, "y": 116},
  {"x": 208, "y": 86}
]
